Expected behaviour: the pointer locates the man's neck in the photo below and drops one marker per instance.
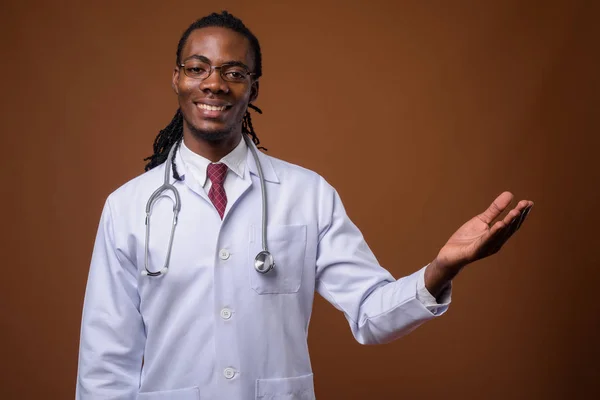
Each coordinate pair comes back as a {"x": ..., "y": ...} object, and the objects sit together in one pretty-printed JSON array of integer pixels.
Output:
[{"x": 211, "y": 150}]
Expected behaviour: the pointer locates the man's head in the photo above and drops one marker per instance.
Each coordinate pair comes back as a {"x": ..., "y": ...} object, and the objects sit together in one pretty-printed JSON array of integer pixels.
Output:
[
  {"x": 212, "y": 108},
  {"x": 217, "y": 40}
]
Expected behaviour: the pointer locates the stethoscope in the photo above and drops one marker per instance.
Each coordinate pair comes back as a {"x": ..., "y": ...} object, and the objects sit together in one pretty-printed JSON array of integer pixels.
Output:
[{"x": 263, "y": 262}]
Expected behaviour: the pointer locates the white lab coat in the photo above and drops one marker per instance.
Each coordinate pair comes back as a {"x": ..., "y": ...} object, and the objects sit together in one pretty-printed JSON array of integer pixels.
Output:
[{"x": 213, "y": 327}]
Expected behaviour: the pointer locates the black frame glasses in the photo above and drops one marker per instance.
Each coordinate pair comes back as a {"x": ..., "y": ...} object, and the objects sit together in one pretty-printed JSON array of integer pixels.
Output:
[{"x": 231, "y": 72}]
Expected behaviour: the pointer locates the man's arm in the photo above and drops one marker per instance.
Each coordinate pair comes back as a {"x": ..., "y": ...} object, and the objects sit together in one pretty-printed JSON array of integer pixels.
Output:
[
  {"x": 378, "y": 308},
  {"x": 112, "y": 331}
]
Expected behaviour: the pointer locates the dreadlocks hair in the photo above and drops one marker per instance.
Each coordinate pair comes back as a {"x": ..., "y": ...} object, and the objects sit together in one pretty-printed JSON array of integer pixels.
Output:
[{"x": 173, "y": 133}]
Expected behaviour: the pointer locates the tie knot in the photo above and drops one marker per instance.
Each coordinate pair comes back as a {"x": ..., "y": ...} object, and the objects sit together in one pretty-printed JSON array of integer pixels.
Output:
[{"x": 216, "y": 173}]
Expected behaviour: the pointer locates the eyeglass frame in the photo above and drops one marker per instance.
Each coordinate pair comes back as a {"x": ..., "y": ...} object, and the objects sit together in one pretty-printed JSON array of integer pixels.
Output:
[{"x": 213, "y": 67}]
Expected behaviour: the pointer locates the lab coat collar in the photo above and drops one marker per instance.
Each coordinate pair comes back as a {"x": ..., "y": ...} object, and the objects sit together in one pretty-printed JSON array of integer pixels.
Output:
[
  {"x": 267, "y": 166},
  {"x": 181, "y": 169}
]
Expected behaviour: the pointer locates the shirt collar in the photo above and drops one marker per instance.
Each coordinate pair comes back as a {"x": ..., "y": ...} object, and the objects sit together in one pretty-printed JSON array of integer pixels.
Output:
[{"x": 197, "y": 165}]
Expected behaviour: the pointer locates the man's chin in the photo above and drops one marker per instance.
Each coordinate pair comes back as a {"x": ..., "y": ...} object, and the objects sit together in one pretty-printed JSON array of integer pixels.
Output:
[{"x": 210, "y": 135}]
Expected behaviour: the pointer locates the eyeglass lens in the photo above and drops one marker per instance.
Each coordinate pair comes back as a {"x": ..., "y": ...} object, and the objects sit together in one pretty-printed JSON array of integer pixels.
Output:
[{"x": 201, "y": 70}]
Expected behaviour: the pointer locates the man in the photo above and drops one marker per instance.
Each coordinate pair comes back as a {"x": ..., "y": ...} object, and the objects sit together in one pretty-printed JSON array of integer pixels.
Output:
[{"x": 219, "y": 325}]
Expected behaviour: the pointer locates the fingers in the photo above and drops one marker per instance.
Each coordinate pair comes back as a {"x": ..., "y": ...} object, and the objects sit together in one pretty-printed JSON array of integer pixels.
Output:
[
  {"x": 496, "y": 208},
  {"x": 516, "y": 217},
  {"x": 501, "y": 231},
  {"x": 496, "y": 238},
  {"x": 516, "y": 212},
  {"x": 524, "y": 214},
  {"x": 522, "y": 210},
  {"x": 510, "y": 229}
]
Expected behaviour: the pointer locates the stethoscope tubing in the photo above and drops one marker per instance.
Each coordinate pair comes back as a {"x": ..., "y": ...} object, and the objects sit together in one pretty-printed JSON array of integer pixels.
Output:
[
  {"x": 166, "y": 186},
  {"x": 263, "y": 262},
  {"x": 263, "y": 192}
]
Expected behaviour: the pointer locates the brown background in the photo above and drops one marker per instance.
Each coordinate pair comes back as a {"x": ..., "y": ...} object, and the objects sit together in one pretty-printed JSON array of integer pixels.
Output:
[{"x": 452, "y": 102}]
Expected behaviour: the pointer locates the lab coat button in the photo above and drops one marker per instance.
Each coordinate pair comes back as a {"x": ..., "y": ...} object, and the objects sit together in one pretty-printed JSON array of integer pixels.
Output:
[
  {"x": 226, "y": 313},
  {"x": 229, "y": 373},
  {"x": 224, "y": 254}
]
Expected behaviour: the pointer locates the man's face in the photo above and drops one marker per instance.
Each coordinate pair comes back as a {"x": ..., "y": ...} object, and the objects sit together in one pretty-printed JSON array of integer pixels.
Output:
[{"x": 202, "y": 101}]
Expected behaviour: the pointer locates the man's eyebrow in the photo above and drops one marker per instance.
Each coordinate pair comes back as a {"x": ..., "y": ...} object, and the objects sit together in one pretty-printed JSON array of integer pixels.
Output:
[
  {"x": 198, "y": 57},
  {"x": 237, "y": 64},
  {"x": 206, "y": 60}
]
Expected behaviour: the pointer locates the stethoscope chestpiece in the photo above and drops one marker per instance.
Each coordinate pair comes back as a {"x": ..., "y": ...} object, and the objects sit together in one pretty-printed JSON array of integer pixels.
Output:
[{"x": 264, "y": 262}]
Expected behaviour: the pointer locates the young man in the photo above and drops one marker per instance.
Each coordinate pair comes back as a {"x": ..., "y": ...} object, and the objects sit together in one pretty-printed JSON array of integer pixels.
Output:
[{"x": 193, "y": 309}]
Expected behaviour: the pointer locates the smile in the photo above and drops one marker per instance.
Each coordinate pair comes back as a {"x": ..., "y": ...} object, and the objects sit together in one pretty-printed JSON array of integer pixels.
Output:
[{"x": 211, "y": 108}]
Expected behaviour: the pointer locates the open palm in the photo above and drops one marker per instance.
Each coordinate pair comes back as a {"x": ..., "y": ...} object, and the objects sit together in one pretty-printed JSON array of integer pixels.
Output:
[{"x": 480, "y": 237}]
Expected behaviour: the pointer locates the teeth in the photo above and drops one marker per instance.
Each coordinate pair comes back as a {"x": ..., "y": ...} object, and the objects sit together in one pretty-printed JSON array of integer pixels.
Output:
[{"x": 211, "y": 108}]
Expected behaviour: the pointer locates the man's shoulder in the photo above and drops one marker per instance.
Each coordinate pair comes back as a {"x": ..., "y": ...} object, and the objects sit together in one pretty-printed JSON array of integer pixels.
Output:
[
  {"x": 286, "y": 169},
  {"x": 139, "y": 186}
]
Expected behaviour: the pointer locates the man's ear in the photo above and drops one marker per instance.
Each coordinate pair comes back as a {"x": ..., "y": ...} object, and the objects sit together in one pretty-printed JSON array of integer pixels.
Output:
[
  {"x": 253, "y": 91},
  {"x": 174, "y": 80}
]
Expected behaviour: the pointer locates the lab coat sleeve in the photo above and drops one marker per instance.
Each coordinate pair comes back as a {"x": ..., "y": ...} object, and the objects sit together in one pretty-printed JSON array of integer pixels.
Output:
[
  {"x": 112, "y": 331},
  {"x": 378, "y": 308},
  {"x": 436, "y": 306}
]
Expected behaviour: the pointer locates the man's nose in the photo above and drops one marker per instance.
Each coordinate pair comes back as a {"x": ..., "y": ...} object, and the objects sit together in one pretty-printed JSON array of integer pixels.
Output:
[{"x": 215, "y": 82}]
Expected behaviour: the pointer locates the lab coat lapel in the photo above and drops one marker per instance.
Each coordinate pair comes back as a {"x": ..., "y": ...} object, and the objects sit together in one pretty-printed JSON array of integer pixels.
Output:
[
  {"x": 188, "y": 180},
  {"x": 247, "y": 182},
  {"x": 267, "y": 166}
]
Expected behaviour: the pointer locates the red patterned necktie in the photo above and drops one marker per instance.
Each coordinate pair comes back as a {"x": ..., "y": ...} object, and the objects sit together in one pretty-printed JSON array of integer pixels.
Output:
[{"x": 216, "y": 194}]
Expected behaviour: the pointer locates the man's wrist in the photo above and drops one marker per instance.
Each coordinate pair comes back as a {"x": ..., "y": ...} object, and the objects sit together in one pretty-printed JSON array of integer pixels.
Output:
[{"x": 438, "y": 276}]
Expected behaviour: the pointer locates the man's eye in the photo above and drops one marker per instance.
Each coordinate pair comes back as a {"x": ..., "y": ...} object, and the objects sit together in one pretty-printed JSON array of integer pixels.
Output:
[
  {"x": 235, "y": 74},
  {"x": 196, "y": 70}
]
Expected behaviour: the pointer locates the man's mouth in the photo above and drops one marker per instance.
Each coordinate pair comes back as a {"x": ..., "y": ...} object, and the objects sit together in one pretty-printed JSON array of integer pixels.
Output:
[{"x": 211, "y": 108}]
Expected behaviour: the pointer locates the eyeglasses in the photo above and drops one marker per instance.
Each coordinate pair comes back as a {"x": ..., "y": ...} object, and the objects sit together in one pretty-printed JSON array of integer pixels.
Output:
[{"x": 230, "y": 72}]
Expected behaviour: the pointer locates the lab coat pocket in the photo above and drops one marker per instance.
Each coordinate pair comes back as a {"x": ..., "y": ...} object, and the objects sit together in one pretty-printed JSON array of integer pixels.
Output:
[
  {"x": 297, "y": 388},
  {"x": 192, "y": 393},
  {"x": 287, "y": 244}
]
